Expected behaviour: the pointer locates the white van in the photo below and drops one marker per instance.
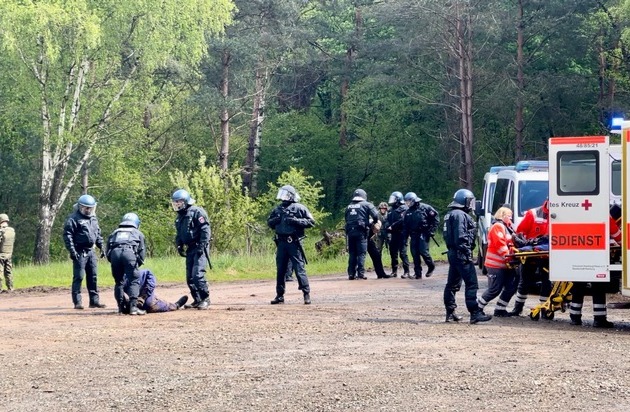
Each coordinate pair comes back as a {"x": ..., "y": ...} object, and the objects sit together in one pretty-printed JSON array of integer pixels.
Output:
[
  {"x": 521, "y": 187},
  {"x": 482, "y": 211}
]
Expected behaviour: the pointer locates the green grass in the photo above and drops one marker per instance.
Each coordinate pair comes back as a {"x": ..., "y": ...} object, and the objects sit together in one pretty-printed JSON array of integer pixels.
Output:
[{"x": 172, "y": 269}]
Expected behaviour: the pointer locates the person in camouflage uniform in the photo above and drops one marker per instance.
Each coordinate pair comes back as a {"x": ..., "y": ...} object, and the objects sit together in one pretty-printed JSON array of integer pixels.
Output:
[
  {"x": 147, "y": 299},
  {"x": 380, "y": 239},
  {"x": 7, "y": 239}
]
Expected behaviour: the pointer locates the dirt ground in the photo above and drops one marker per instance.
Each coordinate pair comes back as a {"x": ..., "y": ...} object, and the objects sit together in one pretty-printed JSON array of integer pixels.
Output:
[{"x": 372, "y": 345}]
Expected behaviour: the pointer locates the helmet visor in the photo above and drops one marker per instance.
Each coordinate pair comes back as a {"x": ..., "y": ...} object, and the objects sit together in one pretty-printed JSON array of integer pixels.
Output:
[
  {"x": 87, "y": 210},
  {"x": 287, "y": 196},
  {"x": 392, "y": 200},
  {"x": 178, "y": 204}
]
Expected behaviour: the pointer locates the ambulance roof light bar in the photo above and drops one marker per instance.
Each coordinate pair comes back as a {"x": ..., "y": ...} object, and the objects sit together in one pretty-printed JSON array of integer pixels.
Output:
[
  {"x": 616, "y": 124},
  {"x": 532, "y": 165},
  {"x": 497, "y": 169}
]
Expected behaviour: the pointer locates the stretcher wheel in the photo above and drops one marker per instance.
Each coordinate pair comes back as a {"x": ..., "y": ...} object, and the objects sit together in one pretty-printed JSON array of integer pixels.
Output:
[
  {"x": 534, "y": 316},
  {"x": 548, "y": 315}
]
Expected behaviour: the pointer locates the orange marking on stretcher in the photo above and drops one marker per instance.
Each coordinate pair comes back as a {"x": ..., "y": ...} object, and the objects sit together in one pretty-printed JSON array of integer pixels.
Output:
[
  {"x": 627, "y": 134},
  {"x": 578, "y": 236},
  {"x": 576, "y": 140}
]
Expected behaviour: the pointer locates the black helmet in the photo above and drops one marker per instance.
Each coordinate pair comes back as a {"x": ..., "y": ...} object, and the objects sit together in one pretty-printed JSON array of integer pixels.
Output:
[
  {"x": 464, "y": 199},
  {"x": 181, "y": 199},
  {"x": 411, "y": 198},
  {"x": 396, "y": 198},
  {"x": 130, "y": 219},
  {"x": 359, "y": 195},
  {"x": 287, "y": 193}
]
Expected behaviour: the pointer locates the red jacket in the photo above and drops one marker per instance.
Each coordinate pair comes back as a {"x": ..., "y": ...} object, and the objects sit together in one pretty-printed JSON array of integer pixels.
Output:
[
  {"x": 535, "y": 223},
  {"x": 499, "y": 243}
]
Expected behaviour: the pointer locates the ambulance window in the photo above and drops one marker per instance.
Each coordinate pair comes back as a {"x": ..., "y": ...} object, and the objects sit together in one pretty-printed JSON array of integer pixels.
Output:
[
  {"x": 578, "y": 173},
  {"x": 615, "y": 177}
]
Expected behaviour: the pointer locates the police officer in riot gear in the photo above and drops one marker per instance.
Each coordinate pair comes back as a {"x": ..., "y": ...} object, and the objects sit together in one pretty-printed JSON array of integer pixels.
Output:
[
  {"x": 80, "y": 233},
  {"x": 126, "y": 253},
  {"x": 193, "y": 241},
  {"x": 359, "y": 213},
  {"x": 420, "y": 224},
  {"x": 288, "y": 220},
  {"x": 459, "y": 234},
  {"x": 394, "y": 227}
]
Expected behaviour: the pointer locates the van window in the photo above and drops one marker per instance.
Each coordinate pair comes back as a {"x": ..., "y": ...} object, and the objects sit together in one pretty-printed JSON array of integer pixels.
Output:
[
  {"x": 532, "y": 193},
  {"x": 500, "y": 192},
  {"x": 578, "y": 173},
  {"x": 615, "y": 177}
]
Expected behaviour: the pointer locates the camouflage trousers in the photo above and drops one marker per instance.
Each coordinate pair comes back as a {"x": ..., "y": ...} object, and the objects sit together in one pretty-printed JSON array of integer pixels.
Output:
[{"x": 6, "y": 270}]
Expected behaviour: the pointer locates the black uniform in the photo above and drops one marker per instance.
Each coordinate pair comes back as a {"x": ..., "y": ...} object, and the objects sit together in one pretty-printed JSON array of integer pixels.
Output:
[
  {"x": 420, "y": 224},
  {"x": 193, "y": 231},
  {"x": 358, "y": 214},
  {"x": 126, "y": 253},
  {"x": 397, "y": 243},
  {"x": 80, "y": 234},
  {"x": 459, "y": 234},
  {"x": 288, "y": 220}
]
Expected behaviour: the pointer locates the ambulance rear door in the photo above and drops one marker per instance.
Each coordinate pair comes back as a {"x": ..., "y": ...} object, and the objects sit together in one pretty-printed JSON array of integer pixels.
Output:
[{"x": 578, "y": 209}]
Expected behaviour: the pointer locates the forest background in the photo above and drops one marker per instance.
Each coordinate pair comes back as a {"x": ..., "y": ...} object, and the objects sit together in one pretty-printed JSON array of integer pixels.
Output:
[{"x": 230, "y": 99}]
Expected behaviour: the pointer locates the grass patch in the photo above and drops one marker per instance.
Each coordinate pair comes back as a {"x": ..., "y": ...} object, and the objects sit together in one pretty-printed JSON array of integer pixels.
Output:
[{"x": 227, "y": 267}]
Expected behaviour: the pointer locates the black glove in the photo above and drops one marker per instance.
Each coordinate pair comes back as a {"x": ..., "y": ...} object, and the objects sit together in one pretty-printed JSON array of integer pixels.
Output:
[
  {"x": 180, "y": 250},
  {"x": 200, "y": 249},
  {"x": 102, "y": 255},
  {"x": 73, "y": 255}
]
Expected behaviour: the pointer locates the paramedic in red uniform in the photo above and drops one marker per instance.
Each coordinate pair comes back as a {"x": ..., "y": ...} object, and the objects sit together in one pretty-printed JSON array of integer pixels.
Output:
[
  {"x": 534, "y": 225},
  {"x": 502, "y": 280},
  {"x": 598, "y": 289}
]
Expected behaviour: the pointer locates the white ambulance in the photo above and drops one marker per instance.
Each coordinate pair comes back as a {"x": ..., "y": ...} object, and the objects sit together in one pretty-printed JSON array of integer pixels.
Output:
[{"x": 586, "y": 177}]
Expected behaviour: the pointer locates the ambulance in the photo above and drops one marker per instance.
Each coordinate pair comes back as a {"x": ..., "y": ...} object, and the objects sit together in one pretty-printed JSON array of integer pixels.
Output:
[{"x": 586, "y": 176}]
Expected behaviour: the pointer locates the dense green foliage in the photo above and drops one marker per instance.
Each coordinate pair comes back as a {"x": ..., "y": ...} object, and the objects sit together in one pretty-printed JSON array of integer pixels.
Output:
[{"x": 356, "y": 94}]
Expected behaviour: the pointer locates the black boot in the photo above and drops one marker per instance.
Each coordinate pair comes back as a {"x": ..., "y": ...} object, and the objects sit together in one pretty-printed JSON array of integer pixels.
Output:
[
  {"x": 134, "y": 309},
  {"x": 576, "y": 320},
  {"x": 452, "y": 316},
  {"x": 307, "y": 298},
  {"x": 278, "y": 300},
  {"x": 384, "y": 276},
  {"x": 181, "y": 301},
  {"x": 602, "y": 322},
  {"x": 479, "y": 316},
  {"x": 430, "y": 271},
  {"x": 204, "y": 304},
  {"x": 518, "y": 309},
  {"x": 97, "y": 305},
  {"x": 501, "y": 313}
]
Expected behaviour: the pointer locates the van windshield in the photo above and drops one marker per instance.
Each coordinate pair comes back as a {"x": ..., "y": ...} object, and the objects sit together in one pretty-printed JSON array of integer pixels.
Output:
[{"x": 532, "y": 194}]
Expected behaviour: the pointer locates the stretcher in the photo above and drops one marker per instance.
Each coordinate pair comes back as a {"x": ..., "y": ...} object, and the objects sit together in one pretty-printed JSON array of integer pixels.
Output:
[{"x": 560, "y": 295}]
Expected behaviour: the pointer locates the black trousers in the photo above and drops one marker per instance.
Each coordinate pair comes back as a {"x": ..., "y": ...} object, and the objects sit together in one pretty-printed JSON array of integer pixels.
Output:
[
  {"x": 196, "y": 263},
  {"x": 357, "y": 248},
  {"x": 398, "y": 247},
  {"x": 290, "y": 252},
  {"x": 85, "y": 265},
  {"x": 375, "y": 255},
  {"x": 419, "y": 248},
  {"x": 458, "y": 271},
  {"x": 124, "y": 266}
]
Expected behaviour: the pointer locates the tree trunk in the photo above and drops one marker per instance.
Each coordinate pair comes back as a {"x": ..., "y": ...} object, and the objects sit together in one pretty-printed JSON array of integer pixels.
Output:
[
  {"x": 464, "y": 50},
  {"x": 225, "y": 118},
  {"x": 520, "y": 85},
  {"x": 250, "y": 170}
]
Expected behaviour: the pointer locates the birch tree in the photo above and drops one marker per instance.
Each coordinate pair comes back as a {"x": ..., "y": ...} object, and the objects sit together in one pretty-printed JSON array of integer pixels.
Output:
[{"x": 78, "y": 58}]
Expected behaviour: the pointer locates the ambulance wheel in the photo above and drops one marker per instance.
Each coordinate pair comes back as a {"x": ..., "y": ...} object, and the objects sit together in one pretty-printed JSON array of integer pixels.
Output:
[{"x": 548, "y": 315}]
